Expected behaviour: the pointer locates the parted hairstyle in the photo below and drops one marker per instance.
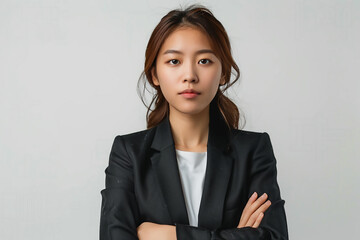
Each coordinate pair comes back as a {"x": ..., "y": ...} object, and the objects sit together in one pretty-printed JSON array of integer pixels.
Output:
[{"x": 201, "y": 18}]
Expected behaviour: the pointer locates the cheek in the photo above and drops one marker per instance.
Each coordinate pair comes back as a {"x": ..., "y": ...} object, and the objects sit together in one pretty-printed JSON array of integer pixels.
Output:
[
  {"x": 167, "y": 89},
  {"x": 213, "y": 78},
  {"x": 165, "y": 75}
]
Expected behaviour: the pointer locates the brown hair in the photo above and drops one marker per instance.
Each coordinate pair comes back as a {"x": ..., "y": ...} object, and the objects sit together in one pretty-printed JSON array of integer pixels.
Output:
[{"x": 195, "y": 16}]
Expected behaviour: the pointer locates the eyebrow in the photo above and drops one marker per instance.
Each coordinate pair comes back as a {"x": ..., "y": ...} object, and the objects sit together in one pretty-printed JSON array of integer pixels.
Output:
[{"x": 197, "y": 52}]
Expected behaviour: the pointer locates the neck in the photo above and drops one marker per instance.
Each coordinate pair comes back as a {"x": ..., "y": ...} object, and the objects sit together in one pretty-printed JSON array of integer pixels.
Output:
[{"x": 190, "y": 132}]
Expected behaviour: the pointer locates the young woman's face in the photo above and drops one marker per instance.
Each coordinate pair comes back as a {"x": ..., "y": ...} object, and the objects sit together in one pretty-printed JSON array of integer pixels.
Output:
[{"x": 186, "y": 61}]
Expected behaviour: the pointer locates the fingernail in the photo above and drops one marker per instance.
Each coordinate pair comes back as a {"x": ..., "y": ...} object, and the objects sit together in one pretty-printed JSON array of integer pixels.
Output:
[
  {"x": 254, "y": 194},
  {"x": 264, "y": 195}
]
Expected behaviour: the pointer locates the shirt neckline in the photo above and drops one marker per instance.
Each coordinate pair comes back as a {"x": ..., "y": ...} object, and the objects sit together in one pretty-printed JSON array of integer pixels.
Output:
[{"x": 189, "y": 151}]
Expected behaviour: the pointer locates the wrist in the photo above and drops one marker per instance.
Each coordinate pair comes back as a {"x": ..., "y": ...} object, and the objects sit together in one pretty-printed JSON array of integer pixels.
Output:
[{"x": 171, "y": 232}]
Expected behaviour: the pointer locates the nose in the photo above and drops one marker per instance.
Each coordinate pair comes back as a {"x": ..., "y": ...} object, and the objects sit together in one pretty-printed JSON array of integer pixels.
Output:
[{"x": 190, "y": 75}]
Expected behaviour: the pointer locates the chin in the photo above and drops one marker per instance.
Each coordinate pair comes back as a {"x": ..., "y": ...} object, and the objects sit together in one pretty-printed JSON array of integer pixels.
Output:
[{"x": 191, "y": 111}]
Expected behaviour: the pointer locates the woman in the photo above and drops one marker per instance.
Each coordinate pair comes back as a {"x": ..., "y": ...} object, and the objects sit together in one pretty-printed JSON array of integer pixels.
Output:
[{"x": 192, "y": 174}]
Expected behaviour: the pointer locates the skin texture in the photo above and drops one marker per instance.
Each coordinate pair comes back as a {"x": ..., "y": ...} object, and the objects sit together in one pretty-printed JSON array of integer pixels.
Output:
[
  {"x": 254, "y": 210},
  {"x": 178, "y": 71},
  {"x": 189, "y": 118}
]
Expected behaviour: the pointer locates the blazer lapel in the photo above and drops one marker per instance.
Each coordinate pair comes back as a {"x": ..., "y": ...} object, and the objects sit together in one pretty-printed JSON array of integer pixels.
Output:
[
  {"x": 217, "y": 175},
  {"x": 167, "y": 171},
  {"x": 218, "y": 171}
]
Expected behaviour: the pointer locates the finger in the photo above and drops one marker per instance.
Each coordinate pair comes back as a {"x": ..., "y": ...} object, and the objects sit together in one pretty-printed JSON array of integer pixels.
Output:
[
  {"x": 244, "y": 216},
  {"x": 251, "y": 200},
  {"x": 258, "y": 220},
  {"x": 258, "y": 203},
  {"x": 250, "y": 208},
  {"x": 261, "y": 209}
]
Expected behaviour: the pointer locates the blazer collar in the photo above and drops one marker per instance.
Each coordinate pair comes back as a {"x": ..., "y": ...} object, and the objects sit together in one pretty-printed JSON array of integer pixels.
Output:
[
  {"x": 219, "y": 134},
  {"x": 217, "y": 175}
]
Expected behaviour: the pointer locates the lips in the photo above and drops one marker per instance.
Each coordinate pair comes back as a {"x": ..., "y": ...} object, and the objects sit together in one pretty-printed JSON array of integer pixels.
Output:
[{"x": 190, "y": 91}]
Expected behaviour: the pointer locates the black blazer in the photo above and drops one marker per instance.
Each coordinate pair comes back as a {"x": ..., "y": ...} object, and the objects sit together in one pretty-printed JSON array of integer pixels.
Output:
[{"x": 143, "y": 185}]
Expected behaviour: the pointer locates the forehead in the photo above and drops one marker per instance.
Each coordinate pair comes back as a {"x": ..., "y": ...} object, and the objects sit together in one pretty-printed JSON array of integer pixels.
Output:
[{"x": 186, "y": 39}]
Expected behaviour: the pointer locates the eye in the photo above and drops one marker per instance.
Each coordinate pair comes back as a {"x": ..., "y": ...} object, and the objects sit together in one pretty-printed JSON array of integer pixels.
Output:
[
  {"x": 173, "y": 61},
  {"x": 204, "y": 61}
]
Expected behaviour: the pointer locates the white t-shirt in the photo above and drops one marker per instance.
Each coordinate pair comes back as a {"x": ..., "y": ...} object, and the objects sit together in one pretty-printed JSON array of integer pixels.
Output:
[{"x": 192, "y": 166}]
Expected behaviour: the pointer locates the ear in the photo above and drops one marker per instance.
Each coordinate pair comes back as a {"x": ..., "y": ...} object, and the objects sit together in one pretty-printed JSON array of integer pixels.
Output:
[
  {"x": 154, "y": 78},
  {"x": 222, "y": 80}
]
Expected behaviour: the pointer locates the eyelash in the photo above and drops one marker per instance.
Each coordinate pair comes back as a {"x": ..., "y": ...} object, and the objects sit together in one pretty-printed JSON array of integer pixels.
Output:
[{"x": 209, "y": 61}]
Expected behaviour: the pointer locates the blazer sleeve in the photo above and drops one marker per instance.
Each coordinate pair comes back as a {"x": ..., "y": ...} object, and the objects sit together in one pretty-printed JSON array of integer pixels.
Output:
[
  {"x": 119, "y": 211},
  {"x": 263, "y": 180}
]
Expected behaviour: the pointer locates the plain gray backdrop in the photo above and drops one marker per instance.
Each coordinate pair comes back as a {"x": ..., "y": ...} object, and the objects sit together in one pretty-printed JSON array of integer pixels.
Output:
[{"x": 68, "y": 76}]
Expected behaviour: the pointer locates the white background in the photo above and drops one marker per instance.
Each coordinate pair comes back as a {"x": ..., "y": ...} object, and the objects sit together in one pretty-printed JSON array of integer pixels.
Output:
[{"x": 68, "y": 77}]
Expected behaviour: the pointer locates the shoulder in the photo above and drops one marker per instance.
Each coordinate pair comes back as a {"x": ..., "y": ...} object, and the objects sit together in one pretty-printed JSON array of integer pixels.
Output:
[
  {"x": 250, "y": 138},
  {"x": 134, "y": 136},
  {"x": 237, "y": 133},
  {"x": 138, "y": 139}
]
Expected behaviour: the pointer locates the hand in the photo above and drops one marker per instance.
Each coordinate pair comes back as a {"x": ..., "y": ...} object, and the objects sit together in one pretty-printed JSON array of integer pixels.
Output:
[
  {"x": 154, "y": 231},
  {"x": 253, "y": 212}
]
